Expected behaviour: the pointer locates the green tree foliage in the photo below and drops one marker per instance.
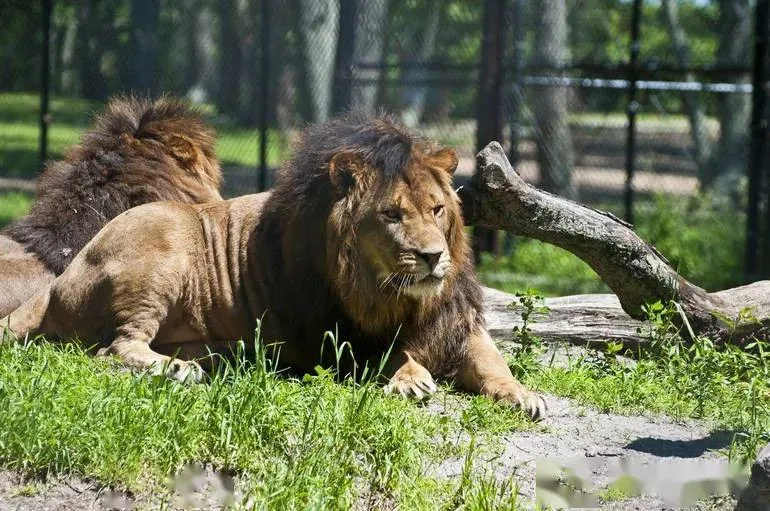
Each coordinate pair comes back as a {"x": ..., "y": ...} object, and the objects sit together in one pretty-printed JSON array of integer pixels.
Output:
[{"x": 93, "y": 54}]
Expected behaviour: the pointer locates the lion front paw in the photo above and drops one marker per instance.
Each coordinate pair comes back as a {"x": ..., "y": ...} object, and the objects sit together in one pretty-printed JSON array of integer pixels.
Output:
[
  {"x": 411, "y": 380},
  {"x": 530, "y": 402},
  {"x": 183, "y": 371}
]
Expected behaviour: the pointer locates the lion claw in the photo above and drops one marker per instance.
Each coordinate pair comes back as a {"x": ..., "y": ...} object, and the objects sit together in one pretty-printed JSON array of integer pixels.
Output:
[
  {"x": 530, "y": 403},
  {"x": 411, "y": 386},
  {"x": 516, "y": 395},
  {"x": 183, "y": 371}
]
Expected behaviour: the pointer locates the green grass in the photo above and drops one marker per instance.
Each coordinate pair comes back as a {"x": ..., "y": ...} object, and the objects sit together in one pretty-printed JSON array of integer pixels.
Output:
[
  {"x": 13, "y": 205},
  {"x": 532, "y": 263},
  {"x": 726, "y": 385},
  {"x": 316, "y": 442},
  {"x": 19, "y": 135},
  {"x": 296, "y": 444}
]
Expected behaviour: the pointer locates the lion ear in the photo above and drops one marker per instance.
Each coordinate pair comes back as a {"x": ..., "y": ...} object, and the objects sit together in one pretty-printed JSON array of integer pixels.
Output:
[
  {"x": 184, "y": 151},
  {"x": 445, "y": 158},
  {"x": 344, "y": 169}
]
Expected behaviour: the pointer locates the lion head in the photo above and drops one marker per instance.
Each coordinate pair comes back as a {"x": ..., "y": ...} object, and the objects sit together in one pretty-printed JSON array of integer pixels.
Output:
[
  {"x": 394, "y": 238},
  {"x": 407, "y": 224}
]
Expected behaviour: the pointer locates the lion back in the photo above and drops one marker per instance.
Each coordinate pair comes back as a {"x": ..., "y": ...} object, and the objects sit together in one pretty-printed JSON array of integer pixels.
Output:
[{"x": 139, "y": 151}]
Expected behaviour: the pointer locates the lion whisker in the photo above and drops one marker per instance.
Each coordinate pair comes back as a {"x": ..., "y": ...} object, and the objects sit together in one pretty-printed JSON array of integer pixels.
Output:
[{"x": 388, "y": 279}]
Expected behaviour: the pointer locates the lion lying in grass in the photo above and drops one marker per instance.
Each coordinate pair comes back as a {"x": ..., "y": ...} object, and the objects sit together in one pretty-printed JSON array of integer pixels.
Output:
[
  {"x": 139, "y": 151},
  {"x": 362, "y": 234}
]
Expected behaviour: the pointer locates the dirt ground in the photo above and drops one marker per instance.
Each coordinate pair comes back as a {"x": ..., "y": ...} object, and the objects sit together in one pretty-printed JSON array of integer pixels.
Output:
[{"x": 662, "y": 455}]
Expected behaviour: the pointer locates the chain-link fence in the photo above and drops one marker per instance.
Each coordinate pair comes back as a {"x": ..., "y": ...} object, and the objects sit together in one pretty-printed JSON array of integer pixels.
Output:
[{"x": 639, "y": 107}]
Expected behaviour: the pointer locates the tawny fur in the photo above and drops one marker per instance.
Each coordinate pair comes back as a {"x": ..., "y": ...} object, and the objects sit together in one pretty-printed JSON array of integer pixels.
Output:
[
  {"x": 362, "y": 236},
  {"x": 139, "y": 151}
]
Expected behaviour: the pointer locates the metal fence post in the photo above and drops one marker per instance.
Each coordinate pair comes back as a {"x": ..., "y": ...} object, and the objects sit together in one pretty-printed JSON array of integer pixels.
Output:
[
  {"x": 758, "y": 235},
  {"x": 633, "y": 106},
  {"x": 265, "y": 96},
  {"x": 488, "y": 119},
  {"x": 45, "y": 80}
]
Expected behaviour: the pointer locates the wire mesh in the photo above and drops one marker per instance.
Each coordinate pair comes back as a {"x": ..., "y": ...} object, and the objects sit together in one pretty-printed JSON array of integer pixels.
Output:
[{"x": 565, "y": 79}]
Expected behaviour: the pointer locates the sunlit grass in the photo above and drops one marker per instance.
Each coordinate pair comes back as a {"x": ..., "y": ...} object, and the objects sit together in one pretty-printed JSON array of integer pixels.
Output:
[
  {"x": 19, "y": 135},
  {"x": 294, "y": 443},
  {"x": 13, "y": 205},
  {"x": 726, "y": 386}
]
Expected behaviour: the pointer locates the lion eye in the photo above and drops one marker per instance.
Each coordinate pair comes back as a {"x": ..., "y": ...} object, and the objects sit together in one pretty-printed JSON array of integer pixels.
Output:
[
  {"x": 391, "y": 215},
  {"x": 438, "y": 210}
]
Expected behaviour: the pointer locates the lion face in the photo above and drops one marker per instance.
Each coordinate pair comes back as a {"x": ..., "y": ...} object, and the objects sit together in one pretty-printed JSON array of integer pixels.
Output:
[{"x": 405, "y": 224}]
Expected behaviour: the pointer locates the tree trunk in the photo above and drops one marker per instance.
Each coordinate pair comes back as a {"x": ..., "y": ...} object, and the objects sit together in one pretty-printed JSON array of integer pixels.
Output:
[
  {"x": 228, "y": 97},
  {"x": 498, "y": 198},
  {"x": 318, "y": 28},
  {"x": 580, "y": 319},
  {"x": 727, "y": 163},
  {"x": 87, "y": 53},
  {"x": 415, "y": 94},
  {"x": 250, "y": 81},
  {"x": 145, "y": 16},
  {"x": 205, "y": 87},
  {"x": 692, "y": 103},
  {"x": 371, "y": 17},
  {"x": 57, "y": 60},
  {"x": 730, "y": 162},
  {"x": 554, "y": 141}
]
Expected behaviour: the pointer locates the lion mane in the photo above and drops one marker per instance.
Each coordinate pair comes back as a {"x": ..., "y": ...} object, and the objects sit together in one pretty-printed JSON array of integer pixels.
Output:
[
  {"x": 317, "y": 270},
  {"x": 139, "y": 151},
  {"x": 362, "y": 236}
]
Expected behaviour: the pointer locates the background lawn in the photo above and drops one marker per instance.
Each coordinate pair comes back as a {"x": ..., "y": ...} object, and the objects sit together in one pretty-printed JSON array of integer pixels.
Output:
[
  {"x": 13, "y": 205},
  {"x": 19, "y": 134}
]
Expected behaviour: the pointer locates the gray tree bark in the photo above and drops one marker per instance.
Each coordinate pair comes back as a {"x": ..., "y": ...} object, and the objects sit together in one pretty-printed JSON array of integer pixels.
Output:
[
  {"x": 230, "y": 62},
  {"x": 204, "y": 87},
  {"x": 250, "y": 81},
  {"x": 371, "y": 17},
  {"x": 734, "y": 109},
  {"x": 87, "y": 54},
  {"x": 415, "y": 94},
  {"x": 498, "y": 198},
  {"x": 579, "y": 319},
  {"x": 554, "y": 141},
  {"x": 723, "y": 160},
  {"x": 318, "y": 28},
  {"x": 145, "y": 16},
  {"x": 692, "y": 103}
]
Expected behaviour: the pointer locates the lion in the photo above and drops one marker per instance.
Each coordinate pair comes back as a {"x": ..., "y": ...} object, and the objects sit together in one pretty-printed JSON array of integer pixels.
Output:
[
  {"x": 362, "y": 235},
  {"x": 139, "y": 151}
]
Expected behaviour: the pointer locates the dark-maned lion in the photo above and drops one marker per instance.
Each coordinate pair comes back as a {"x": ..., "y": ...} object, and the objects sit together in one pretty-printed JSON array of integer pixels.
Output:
[
  {"x": 363, "y": 233},
  {"x": 139, "y": 151}
]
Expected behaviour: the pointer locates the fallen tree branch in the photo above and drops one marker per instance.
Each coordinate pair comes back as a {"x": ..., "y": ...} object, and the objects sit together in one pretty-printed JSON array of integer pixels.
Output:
[
  {"x": 498, "y": 198},
  {"x": 580, "y": 319}
]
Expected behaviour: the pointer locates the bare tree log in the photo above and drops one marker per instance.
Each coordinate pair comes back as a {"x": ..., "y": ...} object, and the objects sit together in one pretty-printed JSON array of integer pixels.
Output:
[
  {"x": 498, "y": 198},
  {"x": 579, "y": 319}
]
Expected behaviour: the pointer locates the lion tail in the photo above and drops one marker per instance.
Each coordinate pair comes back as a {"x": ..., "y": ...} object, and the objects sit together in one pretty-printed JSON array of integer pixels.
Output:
[{"x": 28, "y": 319}]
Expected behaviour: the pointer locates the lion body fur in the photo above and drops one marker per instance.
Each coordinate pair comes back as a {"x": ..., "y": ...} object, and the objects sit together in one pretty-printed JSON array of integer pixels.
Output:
[
  {"x": 139, "y": 151},
  {"x": 323, "y": 252}
]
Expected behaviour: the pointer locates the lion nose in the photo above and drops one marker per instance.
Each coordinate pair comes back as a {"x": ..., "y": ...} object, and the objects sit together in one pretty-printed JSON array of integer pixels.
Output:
[{"x": 431, "y": 258}]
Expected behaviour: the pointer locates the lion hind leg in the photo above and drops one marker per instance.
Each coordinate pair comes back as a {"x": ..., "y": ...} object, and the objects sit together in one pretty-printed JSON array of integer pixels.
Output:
[
  {"x": 132, "y": 347},
  {"x": 485, "y": 371}
]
